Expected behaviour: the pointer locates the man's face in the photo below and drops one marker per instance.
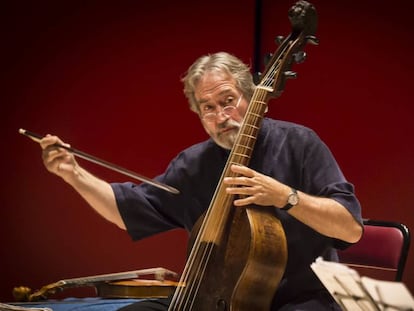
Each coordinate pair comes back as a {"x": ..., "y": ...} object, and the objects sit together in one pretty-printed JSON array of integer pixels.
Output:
[{"x": 215, "y": 91}]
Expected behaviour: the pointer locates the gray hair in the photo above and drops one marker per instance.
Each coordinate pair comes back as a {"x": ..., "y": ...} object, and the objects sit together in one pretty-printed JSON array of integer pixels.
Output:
[{"x": 223, "y": 62}]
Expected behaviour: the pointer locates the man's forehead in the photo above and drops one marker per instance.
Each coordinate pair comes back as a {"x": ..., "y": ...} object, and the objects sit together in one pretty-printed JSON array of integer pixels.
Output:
[
  {"x": 214, "y": 85},
  {"x": 221, "y": 94}
]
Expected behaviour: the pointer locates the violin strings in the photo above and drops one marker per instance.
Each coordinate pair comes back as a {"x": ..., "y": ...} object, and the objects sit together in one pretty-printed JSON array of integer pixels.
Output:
[{"x": 191, "y": 278}]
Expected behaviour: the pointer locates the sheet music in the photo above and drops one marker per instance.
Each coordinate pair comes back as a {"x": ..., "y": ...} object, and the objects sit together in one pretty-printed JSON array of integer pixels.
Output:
[
  {"x": 355, "y": 293},
  {"x": 390, "y": 296},
  {"x": 343, "y": 283}
]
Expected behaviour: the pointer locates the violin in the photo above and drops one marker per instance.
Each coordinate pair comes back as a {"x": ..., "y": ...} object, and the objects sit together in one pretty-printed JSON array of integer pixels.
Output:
[{"x": 130, "y": 284}]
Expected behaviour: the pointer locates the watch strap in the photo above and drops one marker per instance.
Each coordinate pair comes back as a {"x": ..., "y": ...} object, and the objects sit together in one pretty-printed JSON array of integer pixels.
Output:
[{"x": 287, "y": 207}]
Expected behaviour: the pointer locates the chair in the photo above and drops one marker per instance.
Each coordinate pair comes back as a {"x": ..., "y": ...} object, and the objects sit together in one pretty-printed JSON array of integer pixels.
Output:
[{"x": 382, "y": 250}]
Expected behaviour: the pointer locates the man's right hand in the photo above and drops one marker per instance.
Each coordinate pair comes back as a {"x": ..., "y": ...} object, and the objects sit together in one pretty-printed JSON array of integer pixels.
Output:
[{"x": 57, "y": 160}]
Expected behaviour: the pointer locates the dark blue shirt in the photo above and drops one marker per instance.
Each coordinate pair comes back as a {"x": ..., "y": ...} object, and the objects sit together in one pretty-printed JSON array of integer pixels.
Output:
[{"x": 290, "y": 153}]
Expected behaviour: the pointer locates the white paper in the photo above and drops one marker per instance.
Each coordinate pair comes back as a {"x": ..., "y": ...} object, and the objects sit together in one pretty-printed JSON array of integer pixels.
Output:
[
  {"x": 389, "y": 295},
  {"x": 354, "y": 293}
]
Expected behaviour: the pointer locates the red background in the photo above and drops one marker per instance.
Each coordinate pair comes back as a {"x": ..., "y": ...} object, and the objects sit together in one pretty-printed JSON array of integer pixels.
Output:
[{"x": 105, "y": 78}]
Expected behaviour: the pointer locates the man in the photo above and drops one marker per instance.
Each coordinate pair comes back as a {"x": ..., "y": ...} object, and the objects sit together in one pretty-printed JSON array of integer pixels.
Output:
[{"x": 289, "y": 161}]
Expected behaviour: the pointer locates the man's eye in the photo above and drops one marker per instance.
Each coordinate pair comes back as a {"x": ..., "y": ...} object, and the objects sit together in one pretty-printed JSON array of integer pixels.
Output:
[
  {"x": 207, "y": 108},
  {"x": 229, "y": 100}
]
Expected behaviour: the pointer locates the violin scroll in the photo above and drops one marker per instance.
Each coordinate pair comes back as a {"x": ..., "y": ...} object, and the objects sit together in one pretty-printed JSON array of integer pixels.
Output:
[
  {"x": 25, "y": 294},
  {"x": 303, "y": 18}
]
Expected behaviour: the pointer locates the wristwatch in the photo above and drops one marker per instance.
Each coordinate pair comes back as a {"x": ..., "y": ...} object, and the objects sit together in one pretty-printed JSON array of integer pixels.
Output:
[{"x": 292, "y": 200}]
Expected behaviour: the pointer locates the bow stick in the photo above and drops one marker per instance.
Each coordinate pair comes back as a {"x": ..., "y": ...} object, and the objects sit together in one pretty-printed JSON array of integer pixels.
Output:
[{"x": 93, "y": 159}]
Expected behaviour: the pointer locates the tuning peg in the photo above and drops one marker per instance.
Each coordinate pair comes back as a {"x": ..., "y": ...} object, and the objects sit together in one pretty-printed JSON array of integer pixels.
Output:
[
  {"x": 290, "y": 74},
  {"x": 279, "y": 39},
  {"x": 312, "y": 40},
  {"x": 299, "y": 57},
  {"x": 257, "y": 77},
  {"x": 267, "y": 58}
]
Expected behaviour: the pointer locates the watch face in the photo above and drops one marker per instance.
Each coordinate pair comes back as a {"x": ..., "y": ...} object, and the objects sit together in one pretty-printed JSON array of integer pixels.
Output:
[{"x": 293, "y": 198}]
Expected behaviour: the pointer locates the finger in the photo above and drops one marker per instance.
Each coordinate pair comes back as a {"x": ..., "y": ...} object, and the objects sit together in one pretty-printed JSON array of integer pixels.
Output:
[
  {"x": 52, "y": 153},
  {"x": 238, "y": 181},
  {"x": 244, "y": 201},
  {"x": 244, "y": 170},
  {"x": 59, "y": 165},
  {"x": 241, "y": 190},
  {"x": 49, "y": 140}
]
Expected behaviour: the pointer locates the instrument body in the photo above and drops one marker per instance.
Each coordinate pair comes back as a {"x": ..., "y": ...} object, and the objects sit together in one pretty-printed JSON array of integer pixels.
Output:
[
  {"x": 246, "y": 242},
  {"x": 136, "y": 288},
  {"x": 239, "y": 255}
]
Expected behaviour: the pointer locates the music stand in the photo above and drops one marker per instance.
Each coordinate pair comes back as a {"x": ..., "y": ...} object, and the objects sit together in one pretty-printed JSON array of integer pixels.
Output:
[{"x": 353, "y": 292}]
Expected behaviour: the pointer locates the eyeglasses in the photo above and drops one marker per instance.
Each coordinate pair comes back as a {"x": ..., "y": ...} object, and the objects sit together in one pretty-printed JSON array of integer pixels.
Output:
[{"x": 227, "y": 111}]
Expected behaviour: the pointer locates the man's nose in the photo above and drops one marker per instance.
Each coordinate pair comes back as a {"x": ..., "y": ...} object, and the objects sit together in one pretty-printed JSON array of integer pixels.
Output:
[{"x": 221, "y": 116}]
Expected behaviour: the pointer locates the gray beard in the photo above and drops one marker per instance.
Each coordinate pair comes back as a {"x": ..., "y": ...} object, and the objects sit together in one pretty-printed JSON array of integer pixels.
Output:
[{"x": 227, "y": 141}]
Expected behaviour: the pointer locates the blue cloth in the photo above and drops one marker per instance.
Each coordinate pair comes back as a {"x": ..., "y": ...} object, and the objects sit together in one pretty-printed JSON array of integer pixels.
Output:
[
  {"x": 82, "y": 304},
  {"x": 290, "y": 153}
]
